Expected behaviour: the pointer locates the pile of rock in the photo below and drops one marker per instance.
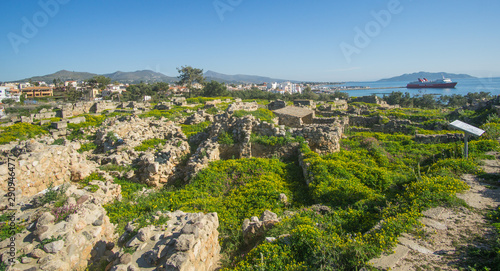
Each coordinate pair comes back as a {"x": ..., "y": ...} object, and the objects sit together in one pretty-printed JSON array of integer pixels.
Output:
[
  {"x": 255, "y": 228},
  {"x": 84, "y": 234},
  {"x": 198, "y": 117},
  {"x": 156, "y": 169},
  {"x": 188, "y": 241}
]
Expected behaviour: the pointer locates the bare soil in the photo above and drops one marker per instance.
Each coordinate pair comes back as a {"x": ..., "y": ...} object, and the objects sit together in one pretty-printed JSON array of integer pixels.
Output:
[{"x": 441, "y": 242}]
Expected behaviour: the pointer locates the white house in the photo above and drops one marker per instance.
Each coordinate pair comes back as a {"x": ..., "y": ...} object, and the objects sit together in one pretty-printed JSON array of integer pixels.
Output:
[{"x": 71, "y": 83}]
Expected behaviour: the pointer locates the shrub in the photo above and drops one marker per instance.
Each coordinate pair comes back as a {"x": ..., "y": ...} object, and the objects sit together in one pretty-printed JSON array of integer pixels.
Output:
[
  {"x": 87, "y": 147},
  {"x": 61, "y": 213},
  {"x": 273, "y": 140},
  {"x": 226, "y": 138},
  {"x": 190, "y": 130},
  {"x": 261, "y": 114},
  {"x": 53, "y": 195},
  {"x": 20, "y": 131},
  {"x": 59, "y": 141}
]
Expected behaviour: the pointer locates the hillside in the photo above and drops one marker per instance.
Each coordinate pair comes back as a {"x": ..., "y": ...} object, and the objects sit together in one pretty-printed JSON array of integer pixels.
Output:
[
  {"x": 239, "y": 78},
  {"x": 122, "y": 77},
  {"x": 64, "y": 75},
  {"x": 428, "y": 75},
  {"x": 137, "y": 76}
]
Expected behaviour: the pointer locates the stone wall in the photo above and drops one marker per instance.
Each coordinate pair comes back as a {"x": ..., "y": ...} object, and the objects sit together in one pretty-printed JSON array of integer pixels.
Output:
[
  {"x": 39, "y": 164},
  {"x": 384, "y": 125},
  {"x": 371, "y": 99},
  {"x": 85, "y": 236},
  {"x": 252, "y": 106},
  {"x": 325, "y": 120},
  {"x": 322, "y": 138},
  {"x": 154, "y": 167},
  {"x": 43, "y": 114},
  {"x": 443, "y": 138},
  {"x": 275, "y": 105},
  {"x": 188, "y": 241}
]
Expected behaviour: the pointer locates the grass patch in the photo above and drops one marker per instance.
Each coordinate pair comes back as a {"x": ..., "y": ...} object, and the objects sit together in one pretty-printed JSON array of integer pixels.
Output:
[
  {"x": 154, "y": 143},
  {"x": 190, "y": 130},
  {"x": 20, "y": 131},
  {"x": 261, "y": 114}
]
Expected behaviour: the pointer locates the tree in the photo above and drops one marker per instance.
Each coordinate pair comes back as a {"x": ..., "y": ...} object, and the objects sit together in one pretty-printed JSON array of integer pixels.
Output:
[
  {"x": 99, "y": 81},
  {"x": 189, "y": 75},
  {"x": 8, "y": 101},
  {"x": 214, "y": 89},
  {"x": 74, "y": 95}
]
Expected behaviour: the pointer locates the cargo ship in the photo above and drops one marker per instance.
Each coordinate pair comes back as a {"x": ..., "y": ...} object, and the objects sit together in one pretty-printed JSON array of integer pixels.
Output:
[{"x": 439, "y": 83}]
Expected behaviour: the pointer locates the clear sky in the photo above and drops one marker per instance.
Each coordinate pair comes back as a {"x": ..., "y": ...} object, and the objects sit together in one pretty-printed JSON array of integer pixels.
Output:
[{"x": 318, "y": 40}]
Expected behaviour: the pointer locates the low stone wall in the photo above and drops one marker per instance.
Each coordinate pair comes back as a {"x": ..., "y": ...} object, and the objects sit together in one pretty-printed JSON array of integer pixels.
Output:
[
  {"x": 321, "y": 138},
  {"x": 252, "y": 106},
  {"x": 443, "y": 138},
  {"x": 43, "y": 115},
  {"x": 325, "y": 120},
  {"x": 188, "y": 241},
  {"x": 275, "y": 105},
  {"x": 39, "y": 164}
]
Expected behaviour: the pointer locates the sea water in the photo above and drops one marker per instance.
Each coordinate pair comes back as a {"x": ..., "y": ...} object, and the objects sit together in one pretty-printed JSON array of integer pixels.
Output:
[{"x": 464, "y": 86}]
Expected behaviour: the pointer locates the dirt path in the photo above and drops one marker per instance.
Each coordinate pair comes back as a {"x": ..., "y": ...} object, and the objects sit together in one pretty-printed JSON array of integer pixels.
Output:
[{"x": 436, "y": 245}]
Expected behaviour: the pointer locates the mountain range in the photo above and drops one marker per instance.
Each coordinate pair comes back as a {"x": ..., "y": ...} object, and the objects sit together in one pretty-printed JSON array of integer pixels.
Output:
[
  {"x": 239, "y": 78},
  {"x": 429, "y": 75},
  {"x": 149, "y": 76}
]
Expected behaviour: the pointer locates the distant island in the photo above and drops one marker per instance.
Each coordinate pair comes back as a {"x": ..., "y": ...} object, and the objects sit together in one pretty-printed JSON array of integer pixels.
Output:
[{"x": 429, "y": 75}]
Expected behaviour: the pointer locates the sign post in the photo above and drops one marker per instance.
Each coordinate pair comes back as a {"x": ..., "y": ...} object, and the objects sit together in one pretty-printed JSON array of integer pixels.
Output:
[{"x": 468, "y": 130}]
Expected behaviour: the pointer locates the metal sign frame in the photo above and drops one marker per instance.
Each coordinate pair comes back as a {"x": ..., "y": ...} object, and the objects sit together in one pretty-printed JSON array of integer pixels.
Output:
[{"x": 468, "y": 130}]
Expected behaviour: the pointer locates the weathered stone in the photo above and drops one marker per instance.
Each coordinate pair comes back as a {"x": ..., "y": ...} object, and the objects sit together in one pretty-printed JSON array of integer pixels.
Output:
[
  {"x": 185, "y": 242},
  {"x": 144, "y": 233},
  {"x": 125, "y": 258},
  {"x": 37, "y": 253},
  {"x": 54, "y": 247}
]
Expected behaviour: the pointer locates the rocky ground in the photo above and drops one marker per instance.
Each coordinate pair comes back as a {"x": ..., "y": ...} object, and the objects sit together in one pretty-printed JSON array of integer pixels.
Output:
[{"x": 442, "y": 240}]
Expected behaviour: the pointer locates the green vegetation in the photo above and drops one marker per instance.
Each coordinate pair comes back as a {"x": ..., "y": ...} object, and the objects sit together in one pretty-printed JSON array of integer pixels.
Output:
[
  {"x": 274, "y": 140},
  {"x": 202, "y": 100},
  {"x": 59, "y": 141},
  {"x": 375, "y": 177},
  {"x": 486, "y": 257},
  {"x": 21, "y": 131},
  {"x": 190, "y": 130},
  {"x": 57, "y": 196},
  {"x": 261, "y": 114},
  {"x": 226, "y": 138},
  {"x": 172, "y": 114},
  {"x": 87, "y": 147},
  {"x": 6, "y": 230},
  {"x": 48, "y": 241},
  {"x": 153, "y": 143},
  {"x": 93, "y": 176},
  {"x": 78, "y": 130}
]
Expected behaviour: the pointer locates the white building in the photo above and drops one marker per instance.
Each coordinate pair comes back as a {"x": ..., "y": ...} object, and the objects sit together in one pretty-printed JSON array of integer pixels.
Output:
[
  {"x": 5, "y": 94},
  {"x": 71, "y": 83},
  {"x": 284, "y": 87}
]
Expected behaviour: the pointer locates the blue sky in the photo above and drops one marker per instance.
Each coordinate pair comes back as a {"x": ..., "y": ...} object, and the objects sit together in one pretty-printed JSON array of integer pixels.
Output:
[{"x": 302, "y": 40}]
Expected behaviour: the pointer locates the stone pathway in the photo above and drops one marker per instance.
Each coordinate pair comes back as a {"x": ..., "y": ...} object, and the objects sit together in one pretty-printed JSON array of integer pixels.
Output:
[{"x": 435, "y": 245}]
